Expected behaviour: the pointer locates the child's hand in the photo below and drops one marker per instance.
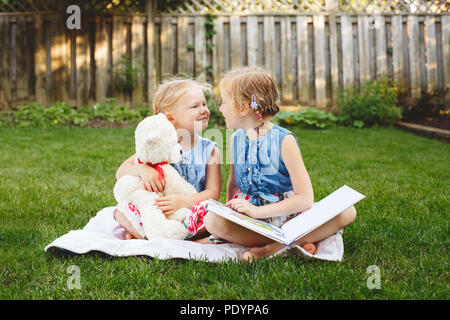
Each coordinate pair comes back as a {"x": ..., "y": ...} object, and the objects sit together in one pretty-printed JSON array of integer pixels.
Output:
[
  {"x": 171, "y": 203},
  {"x": 243, "y": 206},
  {"x": 151, "y": 179}
]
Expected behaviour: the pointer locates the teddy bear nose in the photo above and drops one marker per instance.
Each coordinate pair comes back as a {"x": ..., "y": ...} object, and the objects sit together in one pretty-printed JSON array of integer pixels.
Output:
[{"x": 181, "y": 151}]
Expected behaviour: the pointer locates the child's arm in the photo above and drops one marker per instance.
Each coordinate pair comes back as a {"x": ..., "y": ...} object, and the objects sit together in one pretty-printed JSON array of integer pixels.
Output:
[
  {"x": 303, "y": 197},
  {"x": 171, "y": 203},
  {"x": 232, "y": 188},
  {"x": 149, "y": 175}
]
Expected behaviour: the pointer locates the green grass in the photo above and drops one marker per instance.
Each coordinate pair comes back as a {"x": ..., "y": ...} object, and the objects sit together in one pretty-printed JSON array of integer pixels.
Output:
[{"x": 53, "y": 181}]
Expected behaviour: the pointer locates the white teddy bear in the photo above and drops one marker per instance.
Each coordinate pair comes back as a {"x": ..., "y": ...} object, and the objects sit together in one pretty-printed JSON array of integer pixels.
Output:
[{"x": 156, "y": 144}]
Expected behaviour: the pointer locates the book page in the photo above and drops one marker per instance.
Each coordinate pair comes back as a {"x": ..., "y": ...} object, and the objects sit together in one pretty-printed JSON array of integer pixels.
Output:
[{"x": 321, "y": 212}]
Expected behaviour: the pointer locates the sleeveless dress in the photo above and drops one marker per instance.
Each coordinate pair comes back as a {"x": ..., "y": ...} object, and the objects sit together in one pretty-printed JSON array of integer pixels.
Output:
[{"x": 260, "y": 172}]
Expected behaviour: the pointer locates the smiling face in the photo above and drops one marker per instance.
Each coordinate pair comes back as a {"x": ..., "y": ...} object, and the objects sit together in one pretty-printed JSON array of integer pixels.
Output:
[{"x": 190, "y": 112}]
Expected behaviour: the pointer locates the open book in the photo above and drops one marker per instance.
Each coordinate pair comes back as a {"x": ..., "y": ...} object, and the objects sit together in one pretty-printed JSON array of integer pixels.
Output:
[{"x": 304, "y": 223}]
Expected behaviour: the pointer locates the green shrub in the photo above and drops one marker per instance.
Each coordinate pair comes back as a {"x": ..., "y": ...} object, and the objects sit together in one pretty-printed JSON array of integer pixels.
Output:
[
  {"x": 216, "y": 119},
  {"x": 373, "y": 104},
  {"x": 306, "y": 118},
  {"x": 61, "y": 114}
]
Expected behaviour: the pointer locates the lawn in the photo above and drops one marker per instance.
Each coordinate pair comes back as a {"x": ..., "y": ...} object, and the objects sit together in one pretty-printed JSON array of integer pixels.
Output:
[{"x": 55, "y": 180}]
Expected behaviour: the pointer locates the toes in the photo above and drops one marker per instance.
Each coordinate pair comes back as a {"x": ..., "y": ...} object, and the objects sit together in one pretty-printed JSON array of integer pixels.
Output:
[{"x": 310, "y": 248}]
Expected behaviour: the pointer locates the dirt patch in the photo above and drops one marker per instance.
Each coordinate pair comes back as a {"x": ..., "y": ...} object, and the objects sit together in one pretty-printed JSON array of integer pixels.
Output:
[{"x": 435, "y": 122}]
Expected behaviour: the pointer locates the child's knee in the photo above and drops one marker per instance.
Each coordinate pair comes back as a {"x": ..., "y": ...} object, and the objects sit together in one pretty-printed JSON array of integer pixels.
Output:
[
  {"x": 215, "y": 224},
  {"x": 347, "y": 217}
]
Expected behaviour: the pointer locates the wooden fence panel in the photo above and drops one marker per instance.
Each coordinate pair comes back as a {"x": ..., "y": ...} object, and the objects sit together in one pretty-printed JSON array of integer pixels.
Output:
[
  {"x": 311, "y": 56},
  {"x": 200, "y": 49},
  {"x": 269, "y": 43},
  {"x": 103, "y": 79},
  {"x": 138, "y": 55},
  {"x": 286, "y": 61},
  {"x": 5, "y": 84},
  {"x": 319, "y": 54},
  {"x": 347, "y": 52},
  {"x": 304, "y": 68},
  {"x": 445, "y": 23},
  {"x": 430, "y": 44},
  {"x": 414, "y": 55}
]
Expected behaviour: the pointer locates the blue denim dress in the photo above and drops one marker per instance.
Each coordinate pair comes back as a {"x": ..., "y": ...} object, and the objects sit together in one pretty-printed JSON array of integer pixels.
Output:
[
  {"x": 192, "y": 166},
  {"x": 259, "y": 170}
]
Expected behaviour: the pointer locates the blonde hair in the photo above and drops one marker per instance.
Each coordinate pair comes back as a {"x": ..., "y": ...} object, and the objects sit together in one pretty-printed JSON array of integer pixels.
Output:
[
  {"x": 243, "y": 83},
  {"x": 170, "y": 90}
]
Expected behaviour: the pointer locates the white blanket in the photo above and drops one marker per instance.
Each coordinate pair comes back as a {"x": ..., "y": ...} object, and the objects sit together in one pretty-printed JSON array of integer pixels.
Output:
[{"x": 103, "y": 233}]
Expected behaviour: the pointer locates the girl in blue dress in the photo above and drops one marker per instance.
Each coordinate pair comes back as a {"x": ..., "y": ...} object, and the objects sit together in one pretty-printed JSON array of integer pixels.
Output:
[
  {"x": 184, "y": 104},
  {"x": 268, "y": 179}
]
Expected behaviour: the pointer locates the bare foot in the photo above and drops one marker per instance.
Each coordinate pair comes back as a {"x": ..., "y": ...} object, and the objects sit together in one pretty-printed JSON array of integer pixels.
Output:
[
  {"x": 123, "y": 221},
  {"x": 259, "y": 252},
  {"x": 129, "y": 236},
  {"x": 310, "y": 248}
]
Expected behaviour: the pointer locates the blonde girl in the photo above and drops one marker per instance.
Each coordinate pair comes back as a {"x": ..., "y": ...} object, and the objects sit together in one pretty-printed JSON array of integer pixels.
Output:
[
  {"x": 268, "y": 179},
  {"x": 184, "y": 104}
]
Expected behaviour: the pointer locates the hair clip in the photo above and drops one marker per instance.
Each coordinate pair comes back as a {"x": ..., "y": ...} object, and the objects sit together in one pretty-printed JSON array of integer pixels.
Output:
[{"x": 253, "y": 104}]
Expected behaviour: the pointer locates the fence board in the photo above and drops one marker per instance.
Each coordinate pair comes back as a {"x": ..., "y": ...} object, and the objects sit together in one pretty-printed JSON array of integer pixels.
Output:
[
  {"x": 183, "y": 54},
  {"x": 200, "y": 49},
  {"x": 414, "y": 54},
  {"x": 218, "y": 50},
  {"x": 166, "y": 46},
  {"x": 82, "y": 66},
  {"x": 39, "y": 61},
  {"x": 445, "y": 23},
  {"x": 59, "y": 57},
  {"x": 5, "y": 84},
  {"x": 137, "y": 49},
  {"x": 151, "y": 50},
  {"x": 334, "y": 63},
  {"x": 397, "y": 58},
  {"x": 103, "y": 80},
  {"x": 320, "y": 63},
  {"x": 430, "y": 43},
  {"x": 21, "y": 59},
  {"x": 302, "y": 60},
  {"x": 235, "y": 41},
  {"x": 364, "y": 46},
  {"x": 269, "y": 43},
  {"x": 347, "y": 52},
  {"x": 118, "y": 51},
  {"x": 286, "y": 61},
  {"x": 380, "y": 46},
  {"x": 252, "y": 40}
]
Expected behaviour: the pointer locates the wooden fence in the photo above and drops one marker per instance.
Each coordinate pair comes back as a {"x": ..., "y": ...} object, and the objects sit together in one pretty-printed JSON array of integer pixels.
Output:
[{"x": 311, "y": 56}]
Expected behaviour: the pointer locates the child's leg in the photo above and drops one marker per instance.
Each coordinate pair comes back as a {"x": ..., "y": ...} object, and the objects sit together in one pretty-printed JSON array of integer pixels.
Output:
[
  {"x": 124, "y": 222},
  {"x": 232, "y": 232},
  {"x": 324, "y": 231}
]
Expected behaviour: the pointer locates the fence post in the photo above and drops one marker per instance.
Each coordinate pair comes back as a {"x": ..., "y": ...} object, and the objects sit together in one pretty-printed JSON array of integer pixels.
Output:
[
  {"x": 150, "y": 8},
  {"x": 334, "y": 64}
]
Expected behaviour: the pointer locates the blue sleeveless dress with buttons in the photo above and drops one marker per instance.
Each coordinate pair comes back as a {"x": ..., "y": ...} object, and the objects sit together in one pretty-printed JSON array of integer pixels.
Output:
[
  {"x": 192, "y": 166},
  {"x": 259, "y": 170}
]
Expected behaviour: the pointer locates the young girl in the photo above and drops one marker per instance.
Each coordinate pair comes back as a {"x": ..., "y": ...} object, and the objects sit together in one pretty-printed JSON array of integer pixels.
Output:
[
  {"x": 268, "y": 179},
  {"x": 184, "y": 104}
]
